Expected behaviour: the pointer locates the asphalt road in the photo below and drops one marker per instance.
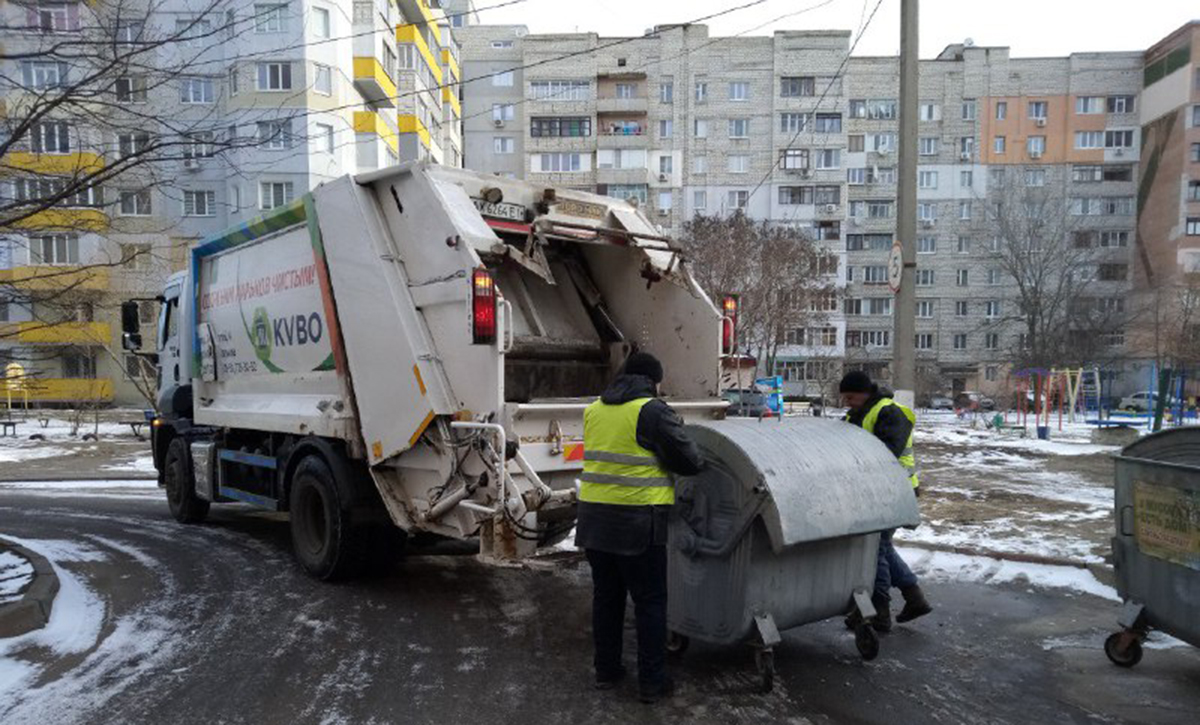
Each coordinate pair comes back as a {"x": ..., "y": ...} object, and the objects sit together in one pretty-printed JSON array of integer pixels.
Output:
[{"x": 215, "y": 624}]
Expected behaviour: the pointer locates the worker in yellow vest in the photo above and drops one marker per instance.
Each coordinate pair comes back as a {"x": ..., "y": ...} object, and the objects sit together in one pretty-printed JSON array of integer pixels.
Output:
[
  {"x": 875, "y": 412},
  {"x": 633, "y": 443}
]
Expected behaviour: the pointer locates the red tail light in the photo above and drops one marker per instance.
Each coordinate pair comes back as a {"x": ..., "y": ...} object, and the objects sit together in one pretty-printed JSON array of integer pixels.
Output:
[
  {"x": 483, "y": 308},
  {"x": 729, "y": 313}
]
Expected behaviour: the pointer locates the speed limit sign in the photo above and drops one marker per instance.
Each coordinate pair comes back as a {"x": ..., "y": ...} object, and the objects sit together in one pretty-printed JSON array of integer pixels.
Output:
[{"x": 895, "y": 267}]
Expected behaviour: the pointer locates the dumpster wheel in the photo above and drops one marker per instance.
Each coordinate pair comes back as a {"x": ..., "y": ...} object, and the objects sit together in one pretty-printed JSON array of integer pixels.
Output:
[
  {"x": 677, "y": 643},
  {"x": 764, "y": 660},
  {"x": 866, "y": 641},
  {"x": 1124, "y": 649}
]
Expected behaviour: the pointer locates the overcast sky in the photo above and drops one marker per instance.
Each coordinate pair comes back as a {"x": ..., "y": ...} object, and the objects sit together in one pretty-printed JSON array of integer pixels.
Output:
[{"x": 1029, "y": 27}]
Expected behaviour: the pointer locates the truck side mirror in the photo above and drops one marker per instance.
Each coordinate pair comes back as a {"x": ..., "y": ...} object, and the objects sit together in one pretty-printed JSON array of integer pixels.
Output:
[
  {"x": 130, "y": 318},
  {"x": 131, "y": 341}
]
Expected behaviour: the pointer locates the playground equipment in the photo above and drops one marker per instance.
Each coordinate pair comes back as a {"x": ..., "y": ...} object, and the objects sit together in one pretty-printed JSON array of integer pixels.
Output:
[
  {"x": 15, "y": 383},
  {"x": 772, "y": 388}
]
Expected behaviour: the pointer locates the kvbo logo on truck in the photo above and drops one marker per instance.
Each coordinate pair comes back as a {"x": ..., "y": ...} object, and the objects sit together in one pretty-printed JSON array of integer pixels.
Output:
[{"x": 288, "y": 331}]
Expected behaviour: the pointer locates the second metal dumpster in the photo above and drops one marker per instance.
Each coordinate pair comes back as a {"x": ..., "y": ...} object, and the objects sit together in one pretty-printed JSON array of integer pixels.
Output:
[
  {"x": 1156, "y": 550},
  {"x": 781, "y": 530}
]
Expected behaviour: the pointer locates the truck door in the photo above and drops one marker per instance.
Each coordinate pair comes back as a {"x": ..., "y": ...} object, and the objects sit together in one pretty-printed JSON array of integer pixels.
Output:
[{"x": 170, "y": 357}]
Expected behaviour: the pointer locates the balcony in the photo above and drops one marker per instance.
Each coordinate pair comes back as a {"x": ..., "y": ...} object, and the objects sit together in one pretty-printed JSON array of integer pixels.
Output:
[
  {"x": 56, "y": 164},
  {"x": 76, "y": 219},
  {"x": 412, "y": 124},
  {"x": 450, "y": 62},
  {"x": 373, "y": 81},
  {"x": 370, "y": 122},
  {"x": 63, "y": 333},
  {"x": 623, "y": 176},
  {"x": 69, "y": 390},
  {"x": 412, "y": 34},
  {"x": 46, "y": 278},
  {"x": 621, "y": 105},
  {"x": 622, "y": 136}
]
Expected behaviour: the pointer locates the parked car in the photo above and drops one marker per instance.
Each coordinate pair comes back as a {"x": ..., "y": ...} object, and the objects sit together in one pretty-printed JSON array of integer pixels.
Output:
[
  {"x": 941, "y": 402},
  {"x": 747, "y": 403},
  {"x": 1144, "y": 402}
]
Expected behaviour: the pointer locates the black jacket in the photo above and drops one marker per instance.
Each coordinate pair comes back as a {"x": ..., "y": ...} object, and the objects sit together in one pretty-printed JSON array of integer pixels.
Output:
[
  {"x": 892, "y": 426},
  {"x": 629, "y": 530}
]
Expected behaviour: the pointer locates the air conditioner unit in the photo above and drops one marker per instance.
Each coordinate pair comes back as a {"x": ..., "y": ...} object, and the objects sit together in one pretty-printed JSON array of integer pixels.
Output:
[
  {"x": 1035, "y": 154},
  {"x": 663, "y": 177},
  {"x": 497, "y": 123},
  {"x": 191, "y": 163},
  {"x": 965, "y": 156},
  {"x": 1041, "y": 123},
  {"x": 928, "y": 222},
  {"x": 664, "y": 212},
  {"x": 830, "y": 208},
  {"x": 805, "y": 173}
]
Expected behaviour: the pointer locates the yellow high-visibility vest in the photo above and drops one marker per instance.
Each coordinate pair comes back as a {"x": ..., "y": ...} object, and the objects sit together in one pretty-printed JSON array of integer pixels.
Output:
[
  {"x": 907, "y": 458},
  {"x": 616, "y": 470}
]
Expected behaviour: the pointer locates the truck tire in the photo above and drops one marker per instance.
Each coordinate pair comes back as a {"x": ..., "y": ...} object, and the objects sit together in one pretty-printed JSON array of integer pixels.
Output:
[
  {"x": 185, "y": 506},
  {"x": 326, "y": 542}
]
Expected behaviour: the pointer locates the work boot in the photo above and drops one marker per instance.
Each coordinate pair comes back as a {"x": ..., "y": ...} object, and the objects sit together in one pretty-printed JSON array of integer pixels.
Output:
[
  {"x": 882, "y": 622},
  {"x": 608, "y": 682},
  {"x": 915, "y": 604},
  {"x": 651, "y": 695}
]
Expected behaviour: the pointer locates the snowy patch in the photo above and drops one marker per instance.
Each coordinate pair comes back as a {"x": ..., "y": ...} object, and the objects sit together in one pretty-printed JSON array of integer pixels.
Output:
[
  {"x": 945, "y": 566},
  {"x": 15, "y": 574},
  {"x": 28, "y": 451},
  {"x": 140, "y": 464},
  {"x": 137, "y": 488}
]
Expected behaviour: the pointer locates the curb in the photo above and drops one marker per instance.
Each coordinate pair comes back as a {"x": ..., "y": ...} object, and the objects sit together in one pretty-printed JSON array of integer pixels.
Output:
[
  {"x": 116, "y": 476},
  {"x": 33, "y": 610}
]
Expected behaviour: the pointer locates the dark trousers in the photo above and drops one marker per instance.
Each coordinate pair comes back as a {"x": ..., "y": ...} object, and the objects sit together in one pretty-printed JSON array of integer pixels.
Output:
[
  {"x": 890, "y": 570},
  {"x": 644, "y": 577}
]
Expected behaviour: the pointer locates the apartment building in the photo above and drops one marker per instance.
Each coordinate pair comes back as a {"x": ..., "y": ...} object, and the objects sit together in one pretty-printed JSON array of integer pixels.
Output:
[
  {"x": 689, "y": 124},
  {"x": 246, "y": 106}
]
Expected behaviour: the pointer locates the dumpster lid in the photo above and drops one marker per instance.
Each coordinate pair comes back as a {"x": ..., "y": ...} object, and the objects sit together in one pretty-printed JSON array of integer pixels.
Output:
[
  {"x": 1179, "y": 445},
  {"x": 825, "y": 478}
]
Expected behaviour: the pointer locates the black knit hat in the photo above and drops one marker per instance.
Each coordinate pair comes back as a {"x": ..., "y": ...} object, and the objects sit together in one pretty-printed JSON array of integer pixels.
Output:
[
  {"x": 856, "y": 381},
  {"x": 643, "y": 363}
]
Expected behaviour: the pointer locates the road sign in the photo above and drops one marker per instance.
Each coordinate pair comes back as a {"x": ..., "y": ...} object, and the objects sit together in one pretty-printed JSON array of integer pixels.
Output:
[{"x": 895, "y": 267}]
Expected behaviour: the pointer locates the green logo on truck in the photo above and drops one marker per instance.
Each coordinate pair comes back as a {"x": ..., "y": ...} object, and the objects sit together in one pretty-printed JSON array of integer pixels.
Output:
[{"x": 260, "y": 334}]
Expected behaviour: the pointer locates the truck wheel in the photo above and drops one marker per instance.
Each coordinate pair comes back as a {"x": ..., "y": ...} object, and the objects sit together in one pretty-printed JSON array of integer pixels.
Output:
[
  {"x": 180, "y": 485},
  {"x": 1123, "y": 649},
  {"x": 326, "y": 543}
]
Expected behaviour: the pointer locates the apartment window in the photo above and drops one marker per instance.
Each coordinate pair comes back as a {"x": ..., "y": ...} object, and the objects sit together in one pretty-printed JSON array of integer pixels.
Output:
[
  {"x": 1035, "y": 177},
  {"x": 1121, "y": 139},
  {"x": 130, "y": 144},
  {"x": 504, "y": 79},
  {"x": 738, "y": 199},
  {"x": 130, "y": 89},
  {"x": 1112, "y": 272},
  {"x": 1120, "y": 238},
  {"x": 738, "y": 163},
  {"x": 52, "y": 17},
  {"x": 665, "y": 200},
  {"x": 1196, "y": 116},
  {"x": 856, "y": 177},
  {"x": 51, "y": 137},
  {"x": 500, "y": 44},
  {"x": 874, "y": 274},
  {"x": 1035, "y": 146},
  {"x": 324, "y": 137},
  {"x": 502, "y": 111},
  {"x": 503, "y": 144},
  {"x": 855, "y": 143},
  {"x": 793, "y": 195},
  {"x": 640, "y": 192},
  {"x": 793, "y": 122},
  {"x": 666, "y": 92},
  {"x": 966, "y": 179},
  {"x": 560, "y": 162},
  {"x": 962, "y": 245},
  {"x": 927, "y": 179},
  {"x": 559, "y": 90},
  {"x": 923, "y": 341},
  {"x": 882, "y": 109},
  {"x": 883, "y": 143},
  {"x": 960, "y": 341},
  {"x": 1089, "y": 139},
  {"x": 54, "y": 249},
  {"x": 274, "y": 194},
  {"x": 927, "y": 211},
  {"x": 79, "y": 365},
  {"x": 991, "y": 341},
  {"x": 1037, "y": 109},
  {"x": 1117, "y": 173},
  {"x": 739, "y": 128},
  {"x": 966, "y": 147},
  {"x": 699, "y": 199},
  {"x": 699, "y": 164},
  {"x": 1193, "y": 227},
  {"x": 321, "y": 24},
  {"x": 274, "y": 134},
  {"x": 135, "y": 203},
  {"x": 1121, "y": 104},
  {"x": 199, "y": 203},
  {"x": 566, "y": 127},
  {"x": 1193, "y": 191},
  {"x": 994, "y": 276},
  {"x": 928, "y": 146},
  {"x": 274, "y": 76},
  {"x": 43, "y": 75},
  {"x": 879, "y": 306},
  {"x": 739, "y": 91},
  {"x": 828, "y": 123},
  {"x": 925, "y": 309},
  {"x": 883, "y": 175},
  {"x": 964, "y": 210},
  {"x": 701, "y": 92},
  {"x": 196, "y": 90},
  {"x": 796, "y": 87},
  {"x": 621, "y": 159},
  {"x": 626, "y": 90},
  {"x": 929, "y": 112},
  {"x": 665, "y": 128},
  {"x": 1117, "y": 206},
  {"x": 968, "y": 110},
  {"x": 926, "y": 245},
  {"x": 961, "y": 308},
  {"x": 827, "y": 194},
  {"x": 1196, "y": 153},
  {"x": 1001, "y": 110},
  {"x": 700, "y": 128},
  {"x": 1089, "y": 104},
  {"x": 199, "y": 145},
  {"x": 269, "y": 18},
  {"x": 925, "y": 278},
  {"x": 323, "y": 80},
  {"x": 794, "y": 159},
  {"x": 999, "y": 144},
  {"x": 666, "y": 164},
  {"x": 828, "y": 158},
  {"x": 963, "y": 277},
  {"x": 991, "y": 309}
]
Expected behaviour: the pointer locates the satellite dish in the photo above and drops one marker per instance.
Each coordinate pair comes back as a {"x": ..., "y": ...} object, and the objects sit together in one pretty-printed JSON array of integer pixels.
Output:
[{"x": 969, "y": 43}]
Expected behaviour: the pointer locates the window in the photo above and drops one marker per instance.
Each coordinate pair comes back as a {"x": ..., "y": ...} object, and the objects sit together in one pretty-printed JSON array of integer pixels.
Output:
[
  {"x": 1196, "y": 153},
  {"x": 323, "y": 80},
  {"x": 503, "y": 144},
  {"x": 502, "y": 111},
  {"x": 793, "y": 122},
  {"x": 881, "y": 109},
  {"x": 1120, "y": 139},
  {"x": 666, "y": 164},
  {"x": 560, "y": 90},
  {"x": 991, "y": 341},
  {"x": 738, "y": 163},
  {"x": 855, "y": 143},
  {"x": 321, "y": 24},
  {"x": 1001, "y": 110},
  {"x": 1089, "y": 139},
  {"x": 960, "y": 341},
  {"x": 991, "y": 309},
  {"x": 699, "y": 199},
  {"x": 961, "y": 308},
  {"x": 828, "y": 158},
  {"x": 129, "y": 144},
  {"x": 274, "y": 76},
  {"x": 129, "y": 31},
  {"x": 51, "y": 137},
  {"x": 1037, "y": 109},
  {"x": 504, "y": 79},
  {"x": 1089, "y": 104},
  {"x": 79, "y": 365},
  {"x": 701, "y": 92},
  {"x": 621, "y": 159},
  {"x": 130, "y": 89},
  {"x": 923, "y": 341},
  {"x": 928, "y": 146},
  {"x": 274, "y": 194},
  {"x": 962, "y": 245},
  {"x": 1035, "y": 177},
  {"x": 881, "y": 306},
  {"x": 994, "y": 276},
  {"x": 883, "y": 143},
  {"x": 926, "y": 245},
  {"x": 199, "y": 203},
  {"x": 1035, "y": 146},
  {"x": 968, "y": 109},
  {"x": 739, "y": 128},
  {"x": 54, "y": 249},
  {"x": 868, "y": 338},
  {"x": 1196, "y": 116},
  {"x": 666, "y": 92},
  {"x": 927, "y": 179},
  {"x": 196, "y": 90},
  {"x": 1110, "y": 239},
  {"x": 200, "y": 145},
  {"x": 796, "y": 87},
  {"x": 1086, "y": 174},
  {"x": 1112, "y": 272},
  {"x": 827, "y": 194},
  {"x": 925, "y": 309},
  {"x": 828, "y": 123},
  {"x": 966, "y": 179},
  {"x": 966, "y": 147},
  {"x": 1117, "y": 173},
  {"x": 559, "y": 162},
  {"x": 53, "y": 17},
  {"x": 739, "y": 91},
  {"x": 1121, "y": 104},
  {"x": 738, "y": 199},
  {"x": 700, "y": 128},
  {"x": 135, "y": 203},
  {"x": 856, "y": 177},
  {"x": 626, "y": 90},
  {"x": 699, "y": 164},
  {"x": 640, "y": 192},
  {"x": 999, "y": 144},
  {"x": 665, "y": 128},
  {"x": 1117, "y": 206},
  {"x": 1193, "y": 227},
  {"x": 929, "y": 112},
  {"x": 793, "y": 195},
  {"x": 323, "y": 133},
  {"x": 274, "y": 134},
  {"x": 927, "y": 211},
  {"x": 963, "y": 277},
  {"x": 665, "y": 200},
  {"x": 964, "y": 210},
  {"x": 794, "y": 159},
  {"x": 554, "y": 127},
  {"x": 884, "y": 175},
  {"x": 1193, "y": 191},
  {"x": 269, "y": 18},
  {"x": 501, "y": 44}
]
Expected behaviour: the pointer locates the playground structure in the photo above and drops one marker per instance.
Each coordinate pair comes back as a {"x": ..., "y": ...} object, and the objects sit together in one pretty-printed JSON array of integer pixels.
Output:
[{"x": 16, "y": 384}]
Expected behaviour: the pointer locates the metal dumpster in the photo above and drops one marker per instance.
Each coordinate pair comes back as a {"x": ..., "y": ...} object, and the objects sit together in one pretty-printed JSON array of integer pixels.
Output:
[
  {"x": 1156, "y": 552},
  {"x": 780, "y": 530}
]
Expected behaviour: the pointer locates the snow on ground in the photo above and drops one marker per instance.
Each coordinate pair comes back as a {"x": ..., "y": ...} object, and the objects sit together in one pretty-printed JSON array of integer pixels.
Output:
[
  {"x": 15, "y": 574},
  {"x": 137, "y": 464},
  {"x": 16, "y": 450},
  {"x": 134, "y": 488},
  {"x": 948, "y": 566}
]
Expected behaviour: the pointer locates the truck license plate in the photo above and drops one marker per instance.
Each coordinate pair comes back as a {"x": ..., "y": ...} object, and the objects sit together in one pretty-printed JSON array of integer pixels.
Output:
[{"x": 502, "y": 210}]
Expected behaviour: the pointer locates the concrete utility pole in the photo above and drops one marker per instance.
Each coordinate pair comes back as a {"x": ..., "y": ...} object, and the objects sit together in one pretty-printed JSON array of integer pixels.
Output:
[{"x": 905, "y": 310}]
